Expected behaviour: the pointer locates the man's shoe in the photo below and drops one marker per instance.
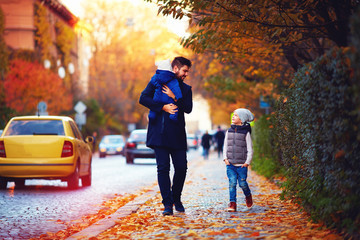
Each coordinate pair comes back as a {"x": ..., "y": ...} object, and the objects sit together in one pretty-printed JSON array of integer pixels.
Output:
[
  {"x": 168, "y": 211},
  {"x": 179, "y": 207},
  {"x": 249, "y": 201},
  {"x": 232, "y": 207}
]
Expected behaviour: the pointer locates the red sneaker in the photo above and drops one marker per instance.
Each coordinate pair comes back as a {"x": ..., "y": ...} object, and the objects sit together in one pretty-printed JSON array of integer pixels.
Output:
[
  {"x": 249, "y": 201},
  {"x": 232, "y": 207}
]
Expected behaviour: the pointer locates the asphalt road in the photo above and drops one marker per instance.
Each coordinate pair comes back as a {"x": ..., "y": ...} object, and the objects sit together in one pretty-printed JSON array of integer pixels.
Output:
[{"x": 48, "y": 206}]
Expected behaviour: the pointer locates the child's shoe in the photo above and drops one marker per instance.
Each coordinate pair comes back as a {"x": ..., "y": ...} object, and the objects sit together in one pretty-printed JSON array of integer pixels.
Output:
[
  {"x": 232, "y": 207},
  {"x": 249, "y": 201}
]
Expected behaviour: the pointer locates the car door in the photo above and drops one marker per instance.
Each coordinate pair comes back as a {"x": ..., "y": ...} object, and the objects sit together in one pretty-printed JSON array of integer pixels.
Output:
[{"x": 82, "y": 148}]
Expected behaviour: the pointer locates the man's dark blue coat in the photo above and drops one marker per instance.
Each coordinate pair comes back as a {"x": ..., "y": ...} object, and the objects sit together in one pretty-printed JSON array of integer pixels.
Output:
[{"x": 162, "y": 131}]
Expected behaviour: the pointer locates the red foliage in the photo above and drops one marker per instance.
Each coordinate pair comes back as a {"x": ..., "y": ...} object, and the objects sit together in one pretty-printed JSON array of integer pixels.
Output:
[{"x": 26, "y": 84}]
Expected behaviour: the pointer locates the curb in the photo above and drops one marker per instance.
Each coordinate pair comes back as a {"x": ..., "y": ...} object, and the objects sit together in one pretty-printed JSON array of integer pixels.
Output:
[{"x": 106, "y": 223}]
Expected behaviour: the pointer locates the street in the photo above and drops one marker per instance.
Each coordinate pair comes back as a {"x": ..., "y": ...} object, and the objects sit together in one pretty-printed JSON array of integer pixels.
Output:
[{"x": 48, "y": 206}]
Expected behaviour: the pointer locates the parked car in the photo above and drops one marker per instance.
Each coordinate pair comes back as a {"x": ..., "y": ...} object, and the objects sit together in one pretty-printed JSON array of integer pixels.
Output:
[
  {"x": 192, "y": 141},
  {"x": 136, "y": 146},
  {"x": 111, "y": 145},
  {"x": 46, "y": 147}
]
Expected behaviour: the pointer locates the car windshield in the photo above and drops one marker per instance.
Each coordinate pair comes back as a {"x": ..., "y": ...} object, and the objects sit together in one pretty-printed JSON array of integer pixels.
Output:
[
  {"x": 35, "y": 127},
  {"x": 138, "y": 136},
  {"x": 113, "y": 140}
]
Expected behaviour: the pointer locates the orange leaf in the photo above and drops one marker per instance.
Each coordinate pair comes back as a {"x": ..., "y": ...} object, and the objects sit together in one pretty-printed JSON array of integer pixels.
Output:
[
  {"x": 215, "y": 233},
  {"x": 228, "y": 230}
]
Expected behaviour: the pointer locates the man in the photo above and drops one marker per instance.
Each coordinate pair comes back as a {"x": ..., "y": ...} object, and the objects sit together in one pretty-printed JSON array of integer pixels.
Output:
[
  {"x": 205, "y": 143},
  {"x": 168, "y": 137},
  {"x": 219, "y": 136}
]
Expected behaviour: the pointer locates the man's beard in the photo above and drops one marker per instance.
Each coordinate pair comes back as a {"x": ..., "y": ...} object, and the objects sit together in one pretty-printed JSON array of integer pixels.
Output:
[{"x": 180, "y": 78}]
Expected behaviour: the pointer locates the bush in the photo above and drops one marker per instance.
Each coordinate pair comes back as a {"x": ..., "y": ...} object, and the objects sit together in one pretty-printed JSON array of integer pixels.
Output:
[
  {"x": 317, "y": 133},
  {"x": 265, "y": 161}
]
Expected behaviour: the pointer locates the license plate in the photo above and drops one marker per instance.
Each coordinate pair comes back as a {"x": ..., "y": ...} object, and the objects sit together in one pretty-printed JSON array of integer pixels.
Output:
[{"x": 142, "y": 146}]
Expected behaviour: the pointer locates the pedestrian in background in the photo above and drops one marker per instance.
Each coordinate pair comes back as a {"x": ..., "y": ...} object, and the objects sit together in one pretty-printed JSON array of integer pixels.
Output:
[
  {"x": 205, "y": 143},
  {"x": 219, "y": 138},
  {"x": 94, "y": 135},
  {"x": 168, "y": 137},
  {"x": 238, "y": 153}
]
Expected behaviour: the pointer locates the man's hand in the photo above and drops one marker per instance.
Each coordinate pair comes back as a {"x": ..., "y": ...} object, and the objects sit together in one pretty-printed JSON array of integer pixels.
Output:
[
  {"x": 170, "y": 108},
  {"x": 168, "y": 92}
]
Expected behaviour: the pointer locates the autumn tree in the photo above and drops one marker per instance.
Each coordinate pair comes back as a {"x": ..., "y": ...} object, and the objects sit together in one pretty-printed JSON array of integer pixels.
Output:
[
  {"x": 43, "y": 41},
  {"x": 301, "y": 30},
  {"x": 28, "y": 83},
  {"x": 259, "y": 44},
  {"x": 124, "y": 50}
]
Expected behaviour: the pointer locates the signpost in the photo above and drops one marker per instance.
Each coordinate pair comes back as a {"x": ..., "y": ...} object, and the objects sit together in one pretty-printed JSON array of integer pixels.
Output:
[
  {"x": 41, "y": 109},
  {"x": 264, "y": 104},
  {"x": 80, "y": 116}
]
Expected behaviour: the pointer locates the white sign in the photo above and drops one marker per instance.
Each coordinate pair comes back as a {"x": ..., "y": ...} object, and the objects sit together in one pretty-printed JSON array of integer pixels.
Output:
[
  {"x": 80, "y": 107},
  {"x": 41, "y": 109},
  {"x": 80, "y": 119}
]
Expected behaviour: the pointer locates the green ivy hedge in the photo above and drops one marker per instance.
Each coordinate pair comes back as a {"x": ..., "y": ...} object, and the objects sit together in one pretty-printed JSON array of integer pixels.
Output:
[
  {"x": 318, "y": 137},
  {"x": 265, "y": 160}
]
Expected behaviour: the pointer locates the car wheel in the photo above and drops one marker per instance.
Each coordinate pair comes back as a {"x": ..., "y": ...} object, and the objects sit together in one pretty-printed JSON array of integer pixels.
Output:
[
  {"x": 86, "y": 180},
  {"x": 3, "y": 183},
  {"x": 129, "y": 159},
  {"x": 19, "y": 183},
  {"x": 73, "y": 179}
]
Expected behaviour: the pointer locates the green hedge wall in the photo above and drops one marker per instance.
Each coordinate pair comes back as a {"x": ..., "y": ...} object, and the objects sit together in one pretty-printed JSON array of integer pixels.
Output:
[
  {"x": 318, "y": 137},
  {"x": 265, "y": 159}
]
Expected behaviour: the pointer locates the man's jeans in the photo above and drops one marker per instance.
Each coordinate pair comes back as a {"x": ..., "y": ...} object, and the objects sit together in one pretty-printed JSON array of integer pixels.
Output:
[
  {"x": 237, "y": 174},
  {"x": 170, "y": 194}
]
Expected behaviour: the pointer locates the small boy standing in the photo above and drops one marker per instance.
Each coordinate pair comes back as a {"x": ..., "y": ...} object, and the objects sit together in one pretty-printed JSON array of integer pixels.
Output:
[{"x": 238, "y": 153}]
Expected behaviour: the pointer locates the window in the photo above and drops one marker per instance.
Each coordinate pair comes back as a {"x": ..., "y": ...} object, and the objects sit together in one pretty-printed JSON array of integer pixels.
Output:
[
  {"x": 76, "y": 131},
  {"x": 35, "y": 127}
]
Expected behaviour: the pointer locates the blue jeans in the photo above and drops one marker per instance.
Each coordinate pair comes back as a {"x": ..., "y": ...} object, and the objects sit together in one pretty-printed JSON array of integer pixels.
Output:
[
  {"x": 237, "y": 174},
  {"x": 170, "y": 194}
]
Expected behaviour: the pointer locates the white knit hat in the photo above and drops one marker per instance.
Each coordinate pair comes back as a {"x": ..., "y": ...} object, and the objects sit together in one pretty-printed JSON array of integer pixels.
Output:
[
  {"x": 164, "y": 65},
  {"x": 245, "y": 115}
]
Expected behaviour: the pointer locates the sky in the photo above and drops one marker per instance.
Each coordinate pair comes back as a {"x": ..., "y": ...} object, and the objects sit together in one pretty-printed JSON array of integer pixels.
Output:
[{"x": 175, "y": 25}]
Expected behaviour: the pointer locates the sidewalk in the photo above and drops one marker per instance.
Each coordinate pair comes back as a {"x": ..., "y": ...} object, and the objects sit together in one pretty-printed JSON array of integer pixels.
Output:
[{"x": 205, "y": 198}]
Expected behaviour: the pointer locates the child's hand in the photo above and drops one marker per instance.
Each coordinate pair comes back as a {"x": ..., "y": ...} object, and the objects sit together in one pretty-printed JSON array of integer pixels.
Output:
[
  {"x": 226, "y": 162},
  {"x": 245, "y": 165},
  {"x": 168, "y": 92}
]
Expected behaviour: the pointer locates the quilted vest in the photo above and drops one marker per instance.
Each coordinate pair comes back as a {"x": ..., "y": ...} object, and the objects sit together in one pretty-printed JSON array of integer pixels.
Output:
[{"x": 236, "y": 148}]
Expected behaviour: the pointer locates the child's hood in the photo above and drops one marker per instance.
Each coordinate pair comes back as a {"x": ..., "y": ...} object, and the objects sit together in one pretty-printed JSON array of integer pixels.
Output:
[
  {"x": 164, "y": 65},
  {"x": 164, "y": 76}
]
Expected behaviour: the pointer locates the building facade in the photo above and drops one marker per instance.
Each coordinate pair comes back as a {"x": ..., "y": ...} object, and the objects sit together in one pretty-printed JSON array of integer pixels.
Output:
[{"x": 23, "y": 26}]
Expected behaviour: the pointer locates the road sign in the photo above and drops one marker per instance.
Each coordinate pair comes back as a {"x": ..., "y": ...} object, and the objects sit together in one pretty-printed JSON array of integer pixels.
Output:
[
  {"x": 41, "y": 109},
  {"x": 263, "y": 104},
  {"x": 80, "y": 107},
  {"x": 80, "y": 119}
]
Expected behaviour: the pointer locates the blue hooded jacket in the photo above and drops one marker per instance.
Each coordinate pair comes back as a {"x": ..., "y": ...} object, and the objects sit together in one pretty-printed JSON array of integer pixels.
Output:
[
  {"x": 164, "y": 132},
  {"x": 160, "y": 78}
]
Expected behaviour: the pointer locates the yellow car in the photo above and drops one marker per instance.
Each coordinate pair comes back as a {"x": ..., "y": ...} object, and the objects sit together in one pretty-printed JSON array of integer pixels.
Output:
[{"x": 46, "y": 147}]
